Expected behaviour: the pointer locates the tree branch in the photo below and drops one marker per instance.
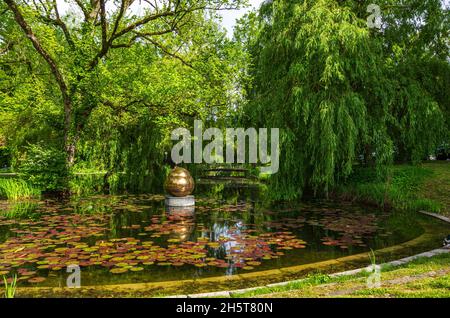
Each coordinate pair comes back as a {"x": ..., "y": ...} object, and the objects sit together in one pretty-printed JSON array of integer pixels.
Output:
[
  {"x": 143, "y": 21},
  {"x": 37, "y": 45},
  {"x": 104, "y": 25},
  {"x": 53, "y": 67},
  {"x": 166, "y": 51},
  {"x": 63, "y": 26},
  {"x": 83, "y": 9}
]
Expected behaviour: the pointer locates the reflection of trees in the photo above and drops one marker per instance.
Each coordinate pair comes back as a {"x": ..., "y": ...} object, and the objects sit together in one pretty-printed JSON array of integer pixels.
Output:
[{"x": 20, "y": 209}]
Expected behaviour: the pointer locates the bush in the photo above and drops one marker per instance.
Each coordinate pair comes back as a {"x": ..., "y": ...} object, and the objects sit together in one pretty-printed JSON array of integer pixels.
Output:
[{"x": 45, "y": 167}]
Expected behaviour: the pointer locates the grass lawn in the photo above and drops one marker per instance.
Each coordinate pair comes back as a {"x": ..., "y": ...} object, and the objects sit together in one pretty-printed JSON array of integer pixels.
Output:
[
  {"x": 422, "y": 187},
  {"x": 437, "y": 187},
  {"x": 424, "y": 277}
]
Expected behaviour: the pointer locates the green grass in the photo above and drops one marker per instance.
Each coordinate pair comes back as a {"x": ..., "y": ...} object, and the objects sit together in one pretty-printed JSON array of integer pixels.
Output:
[
  {"x": 319, "y": 285},
  {"x": 403, "y": 187},
  {"x": 309, "y": 281},
  {"x": 17, "y": 189}
]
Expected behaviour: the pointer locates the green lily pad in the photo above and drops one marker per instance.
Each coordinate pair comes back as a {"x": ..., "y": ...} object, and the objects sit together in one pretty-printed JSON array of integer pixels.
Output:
[{"x": 118, "y": 270}]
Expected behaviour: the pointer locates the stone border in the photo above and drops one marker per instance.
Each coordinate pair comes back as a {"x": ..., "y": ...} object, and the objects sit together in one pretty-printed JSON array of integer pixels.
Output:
[
  {"x": 437, "y": 216},
  {"x": 402, "y": 261}
]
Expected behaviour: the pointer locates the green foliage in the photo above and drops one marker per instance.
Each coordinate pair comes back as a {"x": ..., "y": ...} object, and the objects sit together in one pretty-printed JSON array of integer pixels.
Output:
[
  {"x": 20, "y": 209},
  {"x": 44, "y": 167},
  {"x": 399, "y": 188},
  {"x": 5, "y": 157},
  {"x": 123, "y": 104},
  {"x": 16, "y": 189},
  {"x": 338, "y": 90},
  {"x": 10, "y": 289},
  {"x": 86, "y": 183}
]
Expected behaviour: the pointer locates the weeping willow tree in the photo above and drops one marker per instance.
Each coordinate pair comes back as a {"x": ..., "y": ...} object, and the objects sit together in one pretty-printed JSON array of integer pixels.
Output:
[{"x": 332, "y": 86}]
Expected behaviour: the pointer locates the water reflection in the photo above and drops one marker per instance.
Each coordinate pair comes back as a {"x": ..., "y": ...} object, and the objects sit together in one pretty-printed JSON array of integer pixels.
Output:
[
  {"x": 183, "y": 218},
  {"x": 114, "y": 238}
]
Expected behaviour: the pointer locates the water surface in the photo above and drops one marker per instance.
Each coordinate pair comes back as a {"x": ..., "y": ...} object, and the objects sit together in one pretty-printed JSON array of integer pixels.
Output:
[{"x": 126, "y": 239}]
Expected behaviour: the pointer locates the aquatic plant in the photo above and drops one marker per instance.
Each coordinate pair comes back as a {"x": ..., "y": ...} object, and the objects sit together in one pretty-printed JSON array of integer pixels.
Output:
[
  {"x": 372, "y": 258},
  {"x": 16, "y": 189},
  {"x": 10, "y": 289}
]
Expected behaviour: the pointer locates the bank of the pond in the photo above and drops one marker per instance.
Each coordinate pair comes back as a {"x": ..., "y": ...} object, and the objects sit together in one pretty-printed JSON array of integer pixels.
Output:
[
  {"x": 429, "y": 239},
  {"x": 422, "y": 277},
  {"x": 421, "y": 187}
]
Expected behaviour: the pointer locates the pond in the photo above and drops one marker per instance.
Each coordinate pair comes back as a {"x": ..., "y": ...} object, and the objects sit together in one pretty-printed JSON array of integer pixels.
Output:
[{"x": 135, "y": 239}]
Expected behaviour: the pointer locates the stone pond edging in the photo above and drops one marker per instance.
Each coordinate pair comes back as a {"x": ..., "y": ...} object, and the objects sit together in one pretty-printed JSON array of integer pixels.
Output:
[{"x": 437, "y": 216}]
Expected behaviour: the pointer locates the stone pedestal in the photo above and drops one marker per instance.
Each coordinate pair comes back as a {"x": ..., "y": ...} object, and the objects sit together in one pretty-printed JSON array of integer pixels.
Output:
[
  {"x": 180, "y": 210},
  {"x": 186, "y": 201}
]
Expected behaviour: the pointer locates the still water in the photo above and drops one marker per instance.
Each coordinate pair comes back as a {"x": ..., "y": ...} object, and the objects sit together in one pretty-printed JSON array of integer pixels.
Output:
[{"x": 125, "y": 239}]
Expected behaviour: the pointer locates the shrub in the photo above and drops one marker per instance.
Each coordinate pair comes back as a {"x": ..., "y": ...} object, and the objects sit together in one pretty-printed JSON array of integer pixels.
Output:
[{"x": 45, "y": 167}]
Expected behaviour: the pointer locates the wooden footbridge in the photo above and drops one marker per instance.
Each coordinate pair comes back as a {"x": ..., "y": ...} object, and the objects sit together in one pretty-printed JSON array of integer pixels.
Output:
[{"x": 228, "y": 175}]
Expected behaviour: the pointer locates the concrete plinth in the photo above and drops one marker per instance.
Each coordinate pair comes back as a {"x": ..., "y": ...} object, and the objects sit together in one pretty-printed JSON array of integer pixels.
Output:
[
  {"x": 180, "y": 210},
  {"x": 186, "y": 201}
]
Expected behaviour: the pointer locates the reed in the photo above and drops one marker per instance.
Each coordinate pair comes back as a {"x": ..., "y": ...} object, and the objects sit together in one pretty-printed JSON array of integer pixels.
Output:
[
  {"x": 17, "y": 189},
  {"x": 10, "y": 289}
]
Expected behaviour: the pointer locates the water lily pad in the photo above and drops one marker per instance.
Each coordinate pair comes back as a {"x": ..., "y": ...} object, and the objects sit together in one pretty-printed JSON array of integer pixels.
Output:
[
  {"x": 254, "y": 263},
  {"x": 119, "y": 270},
  {"x": 36, "y": 280},
  {"x": 148, "y": 263},
  {"x": 200, "y": 265}
]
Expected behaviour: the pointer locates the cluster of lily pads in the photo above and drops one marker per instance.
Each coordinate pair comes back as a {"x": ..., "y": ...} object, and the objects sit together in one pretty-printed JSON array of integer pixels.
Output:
[
  {"x": 351, "y": 228},
  {"x": 102, "y": 233},
  {"x": 348, "y": 227},
  {"x": 61, "y": 237}
]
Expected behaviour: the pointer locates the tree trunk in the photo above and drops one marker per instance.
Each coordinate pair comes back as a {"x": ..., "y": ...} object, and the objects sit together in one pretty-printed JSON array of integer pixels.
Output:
[{"x": 69, "y": 138}]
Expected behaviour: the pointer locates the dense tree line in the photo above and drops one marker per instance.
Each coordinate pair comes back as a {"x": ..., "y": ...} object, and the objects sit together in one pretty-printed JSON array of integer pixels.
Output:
[
  {"x": 341, "y": 91},
  {"x": 106, "y": 81},
  {"x": 99, "y": 85}
]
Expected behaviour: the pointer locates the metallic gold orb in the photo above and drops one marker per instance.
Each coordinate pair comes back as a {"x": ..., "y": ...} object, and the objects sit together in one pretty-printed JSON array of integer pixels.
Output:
[{"x": 179, "y": 183}]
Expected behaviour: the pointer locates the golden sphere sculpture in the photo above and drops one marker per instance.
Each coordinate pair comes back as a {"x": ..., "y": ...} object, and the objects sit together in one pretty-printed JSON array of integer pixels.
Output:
[{"x": 179, "y": 183}]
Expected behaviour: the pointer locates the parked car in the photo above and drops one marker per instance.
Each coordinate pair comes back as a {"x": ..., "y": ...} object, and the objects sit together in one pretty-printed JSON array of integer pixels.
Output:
[{"x": 443, "y": 152}]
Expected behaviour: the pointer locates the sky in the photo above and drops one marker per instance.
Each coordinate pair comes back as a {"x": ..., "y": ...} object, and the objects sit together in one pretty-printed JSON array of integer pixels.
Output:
[{"x": 228, "y": 16}]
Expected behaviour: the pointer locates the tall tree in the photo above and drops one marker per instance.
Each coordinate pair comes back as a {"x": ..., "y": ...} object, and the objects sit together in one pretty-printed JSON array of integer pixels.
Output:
[
  {"x": 77, "y": 45},
  {"x": 338, "y": 89}
]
